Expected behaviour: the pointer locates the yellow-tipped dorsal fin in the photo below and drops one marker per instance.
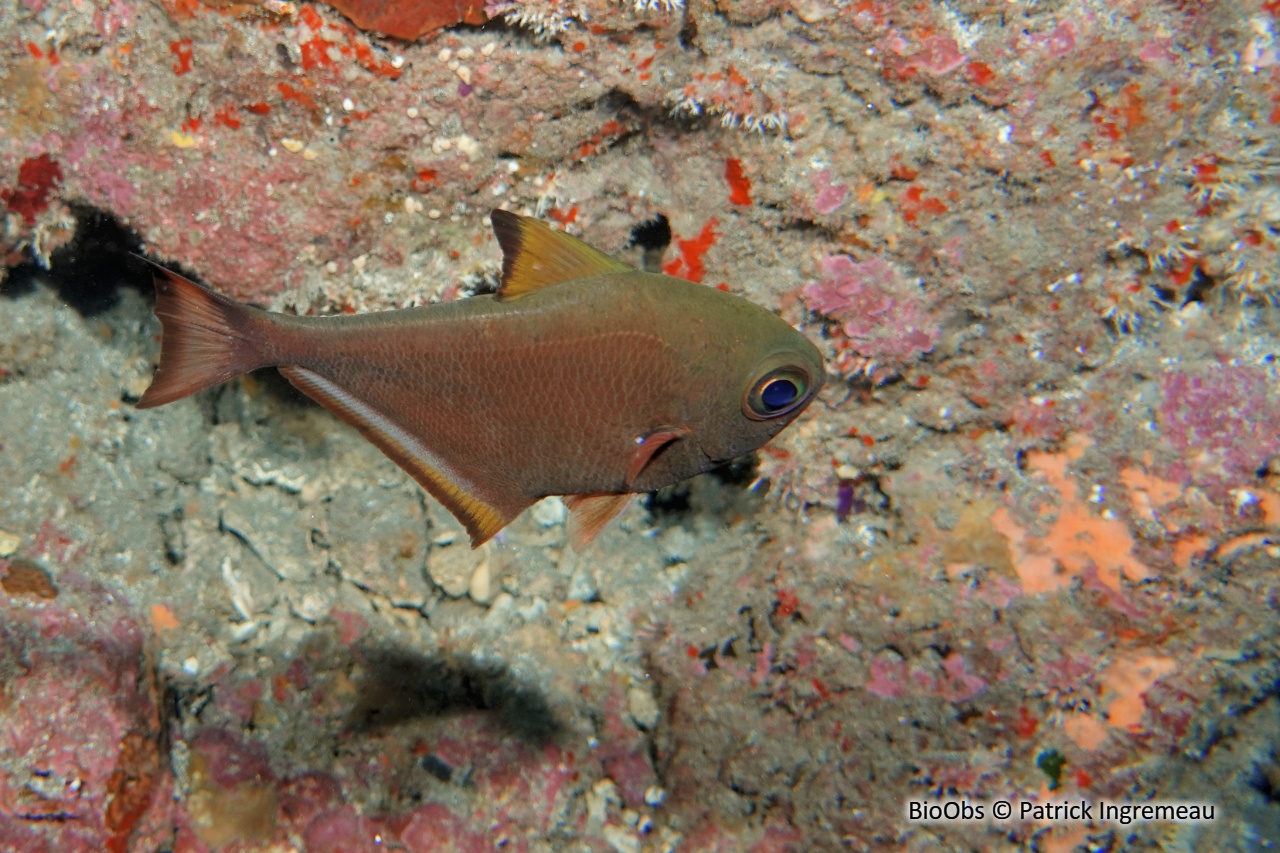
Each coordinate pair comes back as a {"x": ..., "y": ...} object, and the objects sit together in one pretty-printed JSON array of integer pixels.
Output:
[{"x": 535, "y": 255}]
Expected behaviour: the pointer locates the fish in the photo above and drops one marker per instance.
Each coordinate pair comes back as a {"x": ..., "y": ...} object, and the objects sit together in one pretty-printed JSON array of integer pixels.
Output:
[{"x": 581, "y": 377}]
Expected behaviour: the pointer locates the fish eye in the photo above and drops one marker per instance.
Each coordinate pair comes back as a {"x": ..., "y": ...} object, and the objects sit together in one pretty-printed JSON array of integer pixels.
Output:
[
  {"x": 776, "y": 393},
  {"x": 779, "y": 394}
]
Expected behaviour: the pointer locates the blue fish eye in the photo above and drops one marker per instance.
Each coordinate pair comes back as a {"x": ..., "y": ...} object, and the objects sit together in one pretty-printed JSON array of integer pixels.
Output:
[{"x": 778, "y": 394}]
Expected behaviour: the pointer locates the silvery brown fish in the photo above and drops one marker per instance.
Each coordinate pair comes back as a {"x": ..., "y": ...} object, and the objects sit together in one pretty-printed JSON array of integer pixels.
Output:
[{"x": 581, "y": 377}]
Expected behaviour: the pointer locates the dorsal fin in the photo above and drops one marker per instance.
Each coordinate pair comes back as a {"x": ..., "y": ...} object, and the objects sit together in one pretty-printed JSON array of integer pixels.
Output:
[{"x": 535, "y": 255}]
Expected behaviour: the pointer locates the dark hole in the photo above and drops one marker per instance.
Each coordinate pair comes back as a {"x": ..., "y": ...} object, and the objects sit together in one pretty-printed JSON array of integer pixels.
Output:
[
  {"x": 652, "y": 234},
  {"x": 673, "y": 500},
  {"x": 88, "y": 271},
  {"x": 1266, "y": 780},
  {"x": 1200, "y": 285},
  {"x": 438, "y": 767},
  {"x": 688, "y": 33}
]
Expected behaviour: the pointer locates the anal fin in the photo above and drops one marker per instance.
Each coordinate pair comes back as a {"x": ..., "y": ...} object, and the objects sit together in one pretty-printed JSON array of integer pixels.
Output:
[{"x": 482, "y": 517}]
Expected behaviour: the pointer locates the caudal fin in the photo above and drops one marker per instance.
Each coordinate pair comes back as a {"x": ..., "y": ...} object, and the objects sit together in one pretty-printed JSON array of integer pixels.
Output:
[{"x": 206, "y": 339}]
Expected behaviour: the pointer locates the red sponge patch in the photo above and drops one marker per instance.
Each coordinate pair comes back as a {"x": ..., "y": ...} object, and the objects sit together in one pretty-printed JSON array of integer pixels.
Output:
[{"x": 37, "y": 177}]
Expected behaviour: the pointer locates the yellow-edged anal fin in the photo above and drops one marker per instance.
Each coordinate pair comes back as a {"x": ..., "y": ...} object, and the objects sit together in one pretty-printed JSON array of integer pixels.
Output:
[
  {"x": 535, "y": 255},
  {"x": 482, "y": 518}
]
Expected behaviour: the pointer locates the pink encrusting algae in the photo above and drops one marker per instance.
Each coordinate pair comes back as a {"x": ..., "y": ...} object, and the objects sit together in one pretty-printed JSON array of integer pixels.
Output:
[{"x": 884, "y": 318}]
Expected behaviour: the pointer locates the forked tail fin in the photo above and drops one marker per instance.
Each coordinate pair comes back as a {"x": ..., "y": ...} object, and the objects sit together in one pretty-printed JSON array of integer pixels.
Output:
[{"x": 206, "y": 339}]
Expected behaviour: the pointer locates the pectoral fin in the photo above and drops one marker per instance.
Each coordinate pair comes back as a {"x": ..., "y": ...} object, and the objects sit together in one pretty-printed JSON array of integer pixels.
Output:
[
  {"x": 482, "y": 515},
  {"x": 589, "y": 514},
  {"x": 647, "y": 447}
]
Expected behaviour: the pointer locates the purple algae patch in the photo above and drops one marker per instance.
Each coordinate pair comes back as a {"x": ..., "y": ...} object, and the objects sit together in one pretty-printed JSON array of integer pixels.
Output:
[
  {"x": 1223, "y": 420},
  {"x": 882, "y": 313}
]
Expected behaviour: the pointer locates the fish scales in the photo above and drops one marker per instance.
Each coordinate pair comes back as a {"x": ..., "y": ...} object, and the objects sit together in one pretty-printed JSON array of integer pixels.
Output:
[{"x": 508, "y": 392}]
